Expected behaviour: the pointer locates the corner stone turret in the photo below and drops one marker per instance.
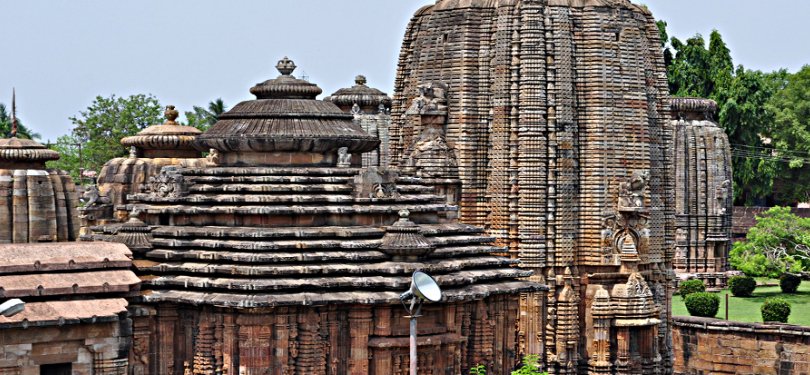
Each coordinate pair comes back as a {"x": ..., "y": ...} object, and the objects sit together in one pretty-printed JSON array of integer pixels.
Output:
[
  {"x": 704, "y": 196},
  {"x": 285, "y": 256},
  {"x": 371, "y": 109}
]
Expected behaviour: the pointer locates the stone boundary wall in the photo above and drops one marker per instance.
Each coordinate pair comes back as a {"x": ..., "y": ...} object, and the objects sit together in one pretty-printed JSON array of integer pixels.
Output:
[
  {"x": 745, "y": 217},
  {"x": 713, "y": 346}
]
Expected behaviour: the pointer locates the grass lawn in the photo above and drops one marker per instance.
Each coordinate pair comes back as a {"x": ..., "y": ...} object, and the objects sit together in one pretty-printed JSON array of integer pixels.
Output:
[{"x": 747, "y": 309}]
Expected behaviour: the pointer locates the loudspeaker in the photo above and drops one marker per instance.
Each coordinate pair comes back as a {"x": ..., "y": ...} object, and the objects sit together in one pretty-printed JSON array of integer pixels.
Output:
[
  {"x": 423, "y": 287},
  {"x": 12, "y": 307}
]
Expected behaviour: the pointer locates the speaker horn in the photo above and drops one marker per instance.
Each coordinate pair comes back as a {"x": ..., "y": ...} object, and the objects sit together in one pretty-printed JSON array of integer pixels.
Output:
[
  {"x": 12, "y": 307},
  {"x": 423, "y": 287}
]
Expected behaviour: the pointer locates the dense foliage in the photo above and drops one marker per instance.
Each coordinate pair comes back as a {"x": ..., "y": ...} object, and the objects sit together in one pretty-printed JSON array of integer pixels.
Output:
[
  {"x": 778, "y": 243},
  {"x": 702, "y": 304},
  {"x": 790, "y": 131},
  {"x": 688, "y": 287},
  {"x": 775, "y": 310},
  {"x": 98, "y": 130},
  {"x": 742, "y": 286},
  {"x": 789, "y": 282}
]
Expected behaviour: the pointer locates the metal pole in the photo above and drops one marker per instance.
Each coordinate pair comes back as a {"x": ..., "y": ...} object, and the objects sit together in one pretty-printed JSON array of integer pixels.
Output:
[{"x": 413, "y": 345}]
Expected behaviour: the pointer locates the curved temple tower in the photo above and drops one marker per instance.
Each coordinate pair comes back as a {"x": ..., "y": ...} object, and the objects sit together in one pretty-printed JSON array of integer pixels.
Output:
[
  {"x": 286, "y": 257},
  {"x": 704, "y": 195},
  {"x": 557, "y": 118}
]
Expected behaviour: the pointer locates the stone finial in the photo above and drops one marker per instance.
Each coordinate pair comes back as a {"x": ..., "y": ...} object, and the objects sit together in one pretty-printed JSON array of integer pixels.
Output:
[
  {"x": 404, "y": 240},
  {"x": 13, "y": 113},
  {"x": 286, "y": 66},
  {"x": 171, "y": 115},
  {"x": 360, "y": 80}
]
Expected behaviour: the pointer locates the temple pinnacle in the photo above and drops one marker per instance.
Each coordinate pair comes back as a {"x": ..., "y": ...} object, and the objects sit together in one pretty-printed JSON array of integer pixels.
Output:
[{"x": 13, "y": 113}]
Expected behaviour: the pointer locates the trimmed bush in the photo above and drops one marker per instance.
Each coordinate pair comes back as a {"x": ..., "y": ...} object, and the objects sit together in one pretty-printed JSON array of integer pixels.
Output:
[
  {"x": 775, "y": 310},
  {"x": 691, "y": 286},
  {"x": 789, "y": 282},
  {"x": 742, "y": 286},
  {"x": 702, "y": 304}
]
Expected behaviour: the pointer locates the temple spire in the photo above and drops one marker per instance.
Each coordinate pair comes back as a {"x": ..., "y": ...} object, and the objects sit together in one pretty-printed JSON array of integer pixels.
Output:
[{"x": 13, "y": 113}]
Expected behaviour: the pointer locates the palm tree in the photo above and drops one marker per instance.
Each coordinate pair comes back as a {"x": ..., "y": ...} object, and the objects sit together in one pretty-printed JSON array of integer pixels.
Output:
[
  {"x": 203, "y": 118},
  {"x": 5, "y": 126}
]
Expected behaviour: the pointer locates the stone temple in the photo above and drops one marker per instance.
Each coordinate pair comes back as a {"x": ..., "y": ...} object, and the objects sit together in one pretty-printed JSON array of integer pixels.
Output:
[
  {"x": 558, "y": 123},
  {"x": 75, "y": 319},
  {"x": 704, "y": 196},
  {"x": 287, "y": 257}
]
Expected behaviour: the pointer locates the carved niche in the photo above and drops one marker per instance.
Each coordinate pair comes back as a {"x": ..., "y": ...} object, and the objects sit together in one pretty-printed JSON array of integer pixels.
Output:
[{"x": 168, "y": 184}]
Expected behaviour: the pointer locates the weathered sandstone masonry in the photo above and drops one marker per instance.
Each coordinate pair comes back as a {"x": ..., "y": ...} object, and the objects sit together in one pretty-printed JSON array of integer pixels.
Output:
[
  {"x": 712, "y": 346},
  {"x": 557, "y": 124}
]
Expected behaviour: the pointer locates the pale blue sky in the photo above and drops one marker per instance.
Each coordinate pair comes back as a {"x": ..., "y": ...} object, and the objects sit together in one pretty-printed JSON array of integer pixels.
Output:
[{"x": 60, "y": 54}]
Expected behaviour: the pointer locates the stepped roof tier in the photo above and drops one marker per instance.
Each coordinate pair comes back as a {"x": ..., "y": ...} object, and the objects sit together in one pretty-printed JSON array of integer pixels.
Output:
[
  {"x": 66, "y": 283},
  {"x": 285, "y": 118},
  {"x": 301, "y": 233},
  {"x": 367, "y": 99}
]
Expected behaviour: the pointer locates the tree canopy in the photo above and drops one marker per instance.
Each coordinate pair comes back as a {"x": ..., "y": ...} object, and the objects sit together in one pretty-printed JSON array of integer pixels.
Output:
[
  {"x": 97, "y": 131},
  {"x": 790, "y": 132},
  {"x": 695, "y": 68},
  {"x": 778, "y": 243},
  {"x": 202, "y": 118}
]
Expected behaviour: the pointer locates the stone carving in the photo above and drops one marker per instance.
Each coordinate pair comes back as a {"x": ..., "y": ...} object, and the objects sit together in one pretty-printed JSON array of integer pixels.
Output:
[
  {"x": 432, "y": 99},
  {"x": 92, "y": 197},
  {"x": 344, "y": 158},
  {"x": 168, "y": 184},
  {"x": 722, "y": 193},
  {"x": 376, "y": 183}
]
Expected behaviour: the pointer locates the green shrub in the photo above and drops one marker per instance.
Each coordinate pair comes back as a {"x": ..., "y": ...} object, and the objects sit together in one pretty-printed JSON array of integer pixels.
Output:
[
  {"x": 775, "y": 309},
  {"x": 531, "y": 366},
  {"x": 478, "y": 370},
  {"x": 742, "y": 286},
  {"x": 691, "y": 286},
  {"x": 702, "y": 304},
  {"x": 789, "y": 282}
]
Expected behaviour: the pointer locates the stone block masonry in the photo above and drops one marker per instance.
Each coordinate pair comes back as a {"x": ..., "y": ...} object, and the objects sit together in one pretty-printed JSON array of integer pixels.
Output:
[{"x": 712, "y": 346}]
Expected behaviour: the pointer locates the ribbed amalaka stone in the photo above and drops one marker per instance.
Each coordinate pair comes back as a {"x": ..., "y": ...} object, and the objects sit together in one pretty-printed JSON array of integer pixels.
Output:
[
  {"x": 704, "y": 197},
  {"x": 372, "y": 111},
  {"x": 157, "y": 146},
  {"x": 306, "y": 257},
  {"x": 557, "y": 115}
]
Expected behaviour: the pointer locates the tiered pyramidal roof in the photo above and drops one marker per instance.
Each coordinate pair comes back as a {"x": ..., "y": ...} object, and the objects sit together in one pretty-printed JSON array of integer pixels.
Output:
[{"x": 277, "y": 222}]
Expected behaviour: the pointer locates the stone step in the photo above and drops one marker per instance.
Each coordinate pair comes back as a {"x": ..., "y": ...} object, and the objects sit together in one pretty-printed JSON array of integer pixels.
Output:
[
  {"x": 397, "y": 283},
  {"x": 265, "y": 258}
]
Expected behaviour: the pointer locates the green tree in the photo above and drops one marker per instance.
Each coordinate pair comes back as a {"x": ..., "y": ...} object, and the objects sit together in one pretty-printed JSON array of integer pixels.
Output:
[
  {"x": 778, "y": 243},
  {"x": 5, "y": 126},
  {"x": 97, "y": 132},
  {"x": 790, "y": 131},
  {"x": 202, "y": 118},
  {"x": 695, "y": 69}
]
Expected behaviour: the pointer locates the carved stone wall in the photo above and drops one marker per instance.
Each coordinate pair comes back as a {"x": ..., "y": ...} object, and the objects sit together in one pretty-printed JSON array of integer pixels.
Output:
[
  {"x": 334, "y": 339},
  {"x": 711, "y": 346},
  {"x": 557, "y": 112},
  {"x": 704, "y": 197},
  {"x": 38, "y": 205}
]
